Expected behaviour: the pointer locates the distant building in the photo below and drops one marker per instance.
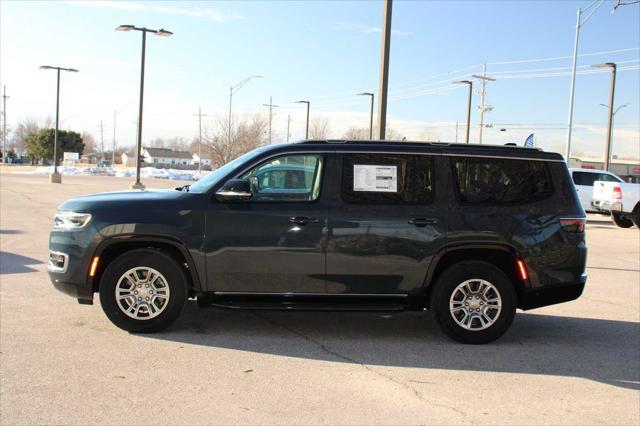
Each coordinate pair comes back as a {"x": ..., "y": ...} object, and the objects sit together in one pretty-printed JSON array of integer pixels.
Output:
[
  {"x": 204, "y": 161},
  {"x": 629, "y": 170},
  {"x": 90, "y": 158},
  {"x": 165, "y": 156},
  {"x": 128, "y": 160}
]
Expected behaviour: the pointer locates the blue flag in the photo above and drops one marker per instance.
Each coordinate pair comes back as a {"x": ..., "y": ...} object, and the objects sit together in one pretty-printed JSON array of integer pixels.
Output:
[{"x": 529, "y": 142}]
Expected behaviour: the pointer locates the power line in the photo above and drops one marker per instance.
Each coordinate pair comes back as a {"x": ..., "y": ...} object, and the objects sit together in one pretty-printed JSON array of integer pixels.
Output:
[{"x": 523, "y": 61}]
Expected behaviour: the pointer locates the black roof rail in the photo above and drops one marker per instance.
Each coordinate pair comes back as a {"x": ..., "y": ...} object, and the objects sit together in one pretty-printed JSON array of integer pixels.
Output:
[{"x": 406, "y": 142}]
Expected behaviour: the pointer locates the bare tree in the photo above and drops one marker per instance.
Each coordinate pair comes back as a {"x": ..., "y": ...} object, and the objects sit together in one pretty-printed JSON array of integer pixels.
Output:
[
  {"x": 361, "y": 133},
  {"x": 319, "y": 128},
  {"x": 356, "y": 134},
  {"x": 89, "y": 143},
  {"x": 24, "y": 129},
  {"x": 223, "y": 144}
]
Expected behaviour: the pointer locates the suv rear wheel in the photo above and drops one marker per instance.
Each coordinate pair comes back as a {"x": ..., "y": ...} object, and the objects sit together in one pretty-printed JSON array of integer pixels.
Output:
[
  {"x": 143, "y": 291},
  {"x": 474, "y": 302},
  {"x": 620, "y": 220}
]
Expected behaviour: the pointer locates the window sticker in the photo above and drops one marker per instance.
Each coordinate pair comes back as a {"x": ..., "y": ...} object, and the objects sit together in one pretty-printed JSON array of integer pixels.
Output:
[{"x": 375, "y": 178}]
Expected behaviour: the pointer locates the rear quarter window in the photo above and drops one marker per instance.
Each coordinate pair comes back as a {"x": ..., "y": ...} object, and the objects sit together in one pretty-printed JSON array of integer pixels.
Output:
[{"x": 500, "y": 181}]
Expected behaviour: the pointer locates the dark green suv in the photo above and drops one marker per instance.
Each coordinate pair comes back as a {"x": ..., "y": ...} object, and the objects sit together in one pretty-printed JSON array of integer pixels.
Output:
[{"x": 468, "y": 232}]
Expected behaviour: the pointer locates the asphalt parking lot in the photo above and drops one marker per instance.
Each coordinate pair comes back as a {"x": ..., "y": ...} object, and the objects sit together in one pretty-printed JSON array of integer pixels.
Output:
[{"x": 60, "y": 362}]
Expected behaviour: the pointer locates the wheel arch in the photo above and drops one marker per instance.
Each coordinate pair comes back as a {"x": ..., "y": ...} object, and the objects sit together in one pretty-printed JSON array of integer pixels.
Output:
[
  {"x": 111, "y": 248},
  {"x": 502, "y": 256}
]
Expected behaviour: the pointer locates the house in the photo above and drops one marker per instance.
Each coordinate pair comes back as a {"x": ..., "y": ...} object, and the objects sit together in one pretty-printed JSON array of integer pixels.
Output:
[
  {"x": 204, "y": 161},
  {"x": 167, "y": 156},
  {"x": 128, "y": 160}
]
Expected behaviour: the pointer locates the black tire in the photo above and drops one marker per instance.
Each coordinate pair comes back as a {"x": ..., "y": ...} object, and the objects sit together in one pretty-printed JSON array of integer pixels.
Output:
[
  {"x": 456, "y": 275},
  {"x": 165, "y": 264},
  {"x": 620, "y": 220}
]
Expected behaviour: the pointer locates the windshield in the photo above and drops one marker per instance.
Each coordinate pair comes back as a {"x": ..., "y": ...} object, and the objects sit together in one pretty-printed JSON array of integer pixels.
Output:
[{"x": 214, "y": 177}]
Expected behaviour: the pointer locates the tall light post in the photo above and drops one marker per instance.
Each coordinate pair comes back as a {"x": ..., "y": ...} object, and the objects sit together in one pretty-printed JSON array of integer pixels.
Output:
[
  {"x": 55, "y": 176},
  {"x": 607, "y": 152},
  {"x": 162, "y": 33},
  {"x": 232, "y": 91},
  {"x": 470, "y": 84},
  {"x": 579, "y": 23},
  {"x": 371, "y": 113},
  {"x": 306, "y": 132}
]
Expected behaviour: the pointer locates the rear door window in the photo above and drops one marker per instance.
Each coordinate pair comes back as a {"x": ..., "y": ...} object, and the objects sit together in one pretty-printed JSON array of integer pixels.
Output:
[
  {"x": 584, "y": 178},
  {"x": 500, "y": 181},
  {"x": 379, "y": 178}
]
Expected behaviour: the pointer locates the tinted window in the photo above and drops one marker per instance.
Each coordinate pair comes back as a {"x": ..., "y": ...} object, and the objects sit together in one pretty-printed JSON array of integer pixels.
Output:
[
  {"x": 584, "y": 178},
  {"x": 286, "y": 178},
  {"x": 500, "y": 181},
  {"x": 387, "y": 178}
]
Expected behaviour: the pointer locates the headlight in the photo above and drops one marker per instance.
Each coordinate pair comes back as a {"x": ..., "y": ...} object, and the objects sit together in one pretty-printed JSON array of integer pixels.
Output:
[{"x": 70, "y": 220}]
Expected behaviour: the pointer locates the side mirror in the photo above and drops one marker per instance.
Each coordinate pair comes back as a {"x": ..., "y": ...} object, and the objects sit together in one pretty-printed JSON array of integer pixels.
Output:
[{"x": 234, "y": 190}]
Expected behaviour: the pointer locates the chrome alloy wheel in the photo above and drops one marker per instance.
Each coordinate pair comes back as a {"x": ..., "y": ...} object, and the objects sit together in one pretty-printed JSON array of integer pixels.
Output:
[
  {"x": 142, "y": 293},
  {"x": 475, "y": 304}
]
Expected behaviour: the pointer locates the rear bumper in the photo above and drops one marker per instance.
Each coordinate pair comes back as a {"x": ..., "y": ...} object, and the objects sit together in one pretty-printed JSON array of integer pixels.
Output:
[{"x": 545, "y": 296}]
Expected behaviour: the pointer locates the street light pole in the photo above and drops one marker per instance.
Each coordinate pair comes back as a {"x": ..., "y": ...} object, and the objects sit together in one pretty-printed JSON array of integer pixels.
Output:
[
  {"x": 470, "y": 84},
  {"x": 232, "y": 91},
  {"x": 163, "y": 33},
  {"x": 306, "y": 132},
  {"x": 371, "y": 113},
  {"x": 579, "y": 24},
  {"x": 55, "y": 176},
  {"x": 607, "y": 153}
]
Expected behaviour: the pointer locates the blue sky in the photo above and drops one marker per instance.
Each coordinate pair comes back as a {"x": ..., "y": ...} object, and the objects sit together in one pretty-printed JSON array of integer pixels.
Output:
[{"x": 325, "y": 52}]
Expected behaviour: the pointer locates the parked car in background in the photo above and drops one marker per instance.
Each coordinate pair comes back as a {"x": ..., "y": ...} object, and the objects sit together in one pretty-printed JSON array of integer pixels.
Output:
[
  {"x": 469, "y": 232},
  {"x": 583, "y": 180},
  {"x": 104, "y": 163},
  {"x": 621, "y": 199}
]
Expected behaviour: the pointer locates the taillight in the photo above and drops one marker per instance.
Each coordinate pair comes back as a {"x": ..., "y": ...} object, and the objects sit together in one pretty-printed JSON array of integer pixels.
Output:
[
  {"x": 573, "y": 224},
  {"x": 617, "y": 193}
]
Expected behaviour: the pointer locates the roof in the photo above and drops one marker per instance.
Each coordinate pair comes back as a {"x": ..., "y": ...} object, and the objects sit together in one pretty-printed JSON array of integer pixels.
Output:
[
  {"x": 442, "y": 148},
  {"x": 167, "y": 153}
]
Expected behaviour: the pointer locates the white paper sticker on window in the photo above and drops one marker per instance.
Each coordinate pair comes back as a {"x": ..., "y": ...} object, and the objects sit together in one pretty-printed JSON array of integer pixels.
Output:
[{"x": 375, "y": 178}]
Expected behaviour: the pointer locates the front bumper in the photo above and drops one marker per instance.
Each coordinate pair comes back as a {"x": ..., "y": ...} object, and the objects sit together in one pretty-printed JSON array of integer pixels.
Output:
[
  {"x": 82, "y": 292},
  {"x": 551, "y": 295}
]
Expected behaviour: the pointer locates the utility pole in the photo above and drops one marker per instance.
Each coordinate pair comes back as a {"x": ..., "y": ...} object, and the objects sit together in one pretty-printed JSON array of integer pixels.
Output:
[
  {"x": 384, "y": 69},
  {"x": 612, "y": 90},
  {"x": 4, "y": 124},
  {"x": 101, "y": 140},
  {"x": 288, "y": 127},
  {"x": 483, "y": 91},
  {"x": 113, "y": 153},
  {"x": 271, "y": 107},
  {"x": 200, "y": 115}
]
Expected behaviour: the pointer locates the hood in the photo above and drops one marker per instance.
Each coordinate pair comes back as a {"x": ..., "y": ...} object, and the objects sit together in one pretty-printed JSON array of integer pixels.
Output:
[{"x": 128, "y": 199}]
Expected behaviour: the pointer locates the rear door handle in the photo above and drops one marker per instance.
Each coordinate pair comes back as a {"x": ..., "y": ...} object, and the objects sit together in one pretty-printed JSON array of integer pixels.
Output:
[
  {"x": 302, "y": 220},
  {"x": 422, "y": 221}
]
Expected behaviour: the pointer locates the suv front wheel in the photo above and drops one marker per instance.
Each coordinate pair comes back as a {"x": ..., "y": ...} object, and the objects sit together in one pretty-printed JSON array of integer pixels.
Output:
[
  {"x": 143, "y": 291},
  {"x": 474, "y": 302}
]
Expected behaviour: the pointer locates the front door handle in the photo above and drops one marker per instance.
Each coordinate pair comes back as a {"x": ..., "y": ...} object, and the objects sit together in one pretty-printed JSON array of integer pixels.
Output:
[
  {"x": 423, "y": 221},
  {"x": 302, "y": 220}
]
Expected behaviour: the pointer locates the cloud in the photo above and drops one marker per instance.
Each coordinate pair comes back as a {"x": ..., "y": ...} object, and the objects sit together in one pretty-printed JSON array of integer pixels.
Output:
[
  {"x": 194, "y": 12},
  {"x": 366, "y": 29}
]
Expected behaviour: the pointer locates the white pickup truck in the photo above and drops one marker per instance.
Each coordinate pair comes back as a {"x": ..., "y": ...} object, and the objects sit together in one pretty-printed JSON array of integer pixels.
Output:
[{"x": 621, "y": 199}]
